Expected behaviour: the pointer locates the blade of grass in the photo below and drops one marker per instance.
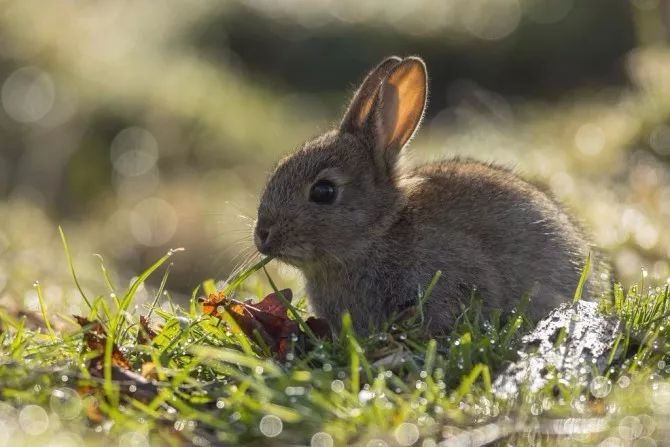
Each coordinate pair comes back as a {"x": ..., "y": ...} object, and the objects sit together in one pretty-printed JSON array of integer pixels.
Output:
[
  {"x": 236, "y": 358},
  {"x": 582, "y": 279},
  {"x": 242, "y": 339},
  {"x": 466, "y": 384},
  {"x": 296, "y": 315},
  {"x": 105, "y": 273},
  {"x": 193, "y": 307},
  {"x": 112, "y": 332},
  {"x": 235, "y": 282},
  {"x": 429, "y": 361},
  {"x": 70, "y": 263},
  {"x": 431, "y": 286},
  {"x": 426, "y": 295},
  {"x": 43, "y": 308},
  {"x": 161, "y": 288},
  {"x": 209, "y": 287},
  {"x": 356, "y": 357}
]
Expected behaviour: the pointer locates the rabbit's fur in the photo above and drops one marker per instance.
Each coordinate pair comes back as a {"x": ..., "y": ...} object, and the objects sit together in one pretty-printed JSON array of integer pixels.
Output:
[{"x": 391, "y": 228}]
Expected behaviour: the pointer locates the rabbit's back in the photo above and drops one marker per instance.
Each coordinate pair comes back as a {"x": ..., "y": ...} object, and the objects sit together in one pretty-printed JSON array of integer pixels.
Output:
[{"x": 485, "y": 227}]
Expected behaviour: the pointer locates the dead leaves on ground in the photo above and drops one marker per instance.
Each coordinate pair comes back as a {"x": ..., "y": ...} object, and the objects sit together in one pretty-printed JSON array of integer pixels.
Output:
[
  {"x": 95, "y": 337},
  {"x": 130, "y": 383},
  {"x": 145, "y": 335},
  {"x": 266, "y": 322},
  {"x": 267, "y": 319}
]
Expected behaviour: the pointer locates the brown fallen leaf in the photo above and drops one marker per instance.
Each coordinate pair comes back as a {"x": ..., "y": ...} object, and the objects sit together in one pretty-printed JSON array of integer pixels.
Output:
[
  {"x": 95, "y": 337},
  {"x": 130, "y": 383},
  {"x": 145, "y": 335},
  {"x": 92, "y": 408},
  {"x": 269, "y": 318},
  {"x": 149, "y": 371}
]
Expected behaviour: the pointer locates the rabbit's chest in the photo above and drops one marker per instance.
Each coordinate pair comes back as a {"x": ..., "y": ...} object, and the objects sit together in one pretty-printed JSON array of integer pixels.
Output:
[{"x": 369, "y": 295}]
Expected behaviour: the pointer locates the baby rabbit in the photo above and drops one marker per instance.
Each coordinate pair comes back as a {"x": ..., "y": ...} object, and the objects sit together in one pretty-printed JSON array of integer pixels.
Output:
[{"x": 368, "y": 233}]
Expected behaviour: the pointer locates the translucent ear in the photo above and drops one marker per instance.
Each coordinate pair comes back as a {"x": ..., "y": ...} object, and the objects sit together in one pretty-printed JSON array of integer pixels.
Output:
[
  {"x": 359, "y": 110},
  {"x": 401, "y": 103}
]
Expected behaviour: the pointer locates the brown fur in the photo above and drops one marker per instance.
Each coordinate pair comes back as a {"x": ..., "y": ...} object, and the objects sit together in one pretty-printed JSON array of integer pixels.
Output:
[{"x": 391, "y": 228}]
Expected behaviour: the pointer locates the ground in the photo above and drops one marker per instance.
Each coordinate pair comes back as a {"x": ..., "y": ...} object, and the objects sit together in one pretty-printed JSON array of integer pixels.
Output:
[{"x": 195, "y": 375}]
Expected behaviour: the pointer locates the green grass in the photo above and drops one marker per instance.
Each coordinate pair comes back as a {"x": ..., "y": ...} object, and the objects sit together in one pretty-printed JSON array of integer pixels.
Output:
[{"x": 212, "y": 385}]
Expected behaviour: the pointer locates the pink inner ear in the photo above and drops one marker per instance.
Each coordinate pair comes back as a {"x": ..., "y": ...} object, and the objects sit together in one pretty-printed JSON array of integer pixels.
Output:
[
  {"x": 403, "y": 101},
  {"x": 390, "y": 110},
  {"x": 366, "y": 96},
  {"x": 364, "y": 111}
]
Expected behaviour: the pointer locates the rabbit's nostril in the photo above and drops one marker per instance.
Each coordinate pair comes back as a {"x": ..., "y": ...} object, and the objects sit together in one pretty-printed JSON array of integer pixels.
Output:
[{"x": 262, "y": 236}]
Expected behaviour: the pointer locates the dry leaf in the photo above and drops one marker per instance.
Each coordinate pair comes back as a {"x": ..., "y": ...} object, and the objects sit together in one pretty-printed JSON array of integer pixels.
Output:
[
  {"x": 145, "y": 335},
  {"x": 269, "y": 318},
  {"x": 95, "y": 337},
  {"x": 149, "y": 371}
]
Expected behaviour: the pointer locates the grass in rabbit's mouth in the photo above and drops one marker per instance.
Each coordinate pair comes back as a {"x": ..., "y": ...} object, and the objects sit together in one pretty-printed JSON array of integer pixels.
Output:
[{"x": 171, "y": 374}]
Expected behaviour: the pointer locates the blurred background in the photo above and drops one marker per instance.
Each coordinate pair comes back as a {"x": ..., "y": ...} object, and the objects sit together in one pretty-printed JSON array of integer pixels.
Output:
[{"x": 141, "y": 126}]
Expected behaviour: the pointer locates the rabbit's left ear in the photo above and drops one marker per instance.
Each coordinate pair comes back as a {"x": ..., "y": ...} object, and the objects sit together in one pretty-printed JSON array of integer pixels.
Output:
[
  {"x": 359, "y": 111},
  {"x": 400, "y": 104}
]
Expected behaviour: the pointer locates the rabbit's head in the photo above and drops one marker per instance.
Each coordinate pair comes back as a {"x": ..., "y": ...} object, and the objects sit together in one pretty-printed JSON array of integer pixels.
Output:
[{"x": 329, "y": 200}]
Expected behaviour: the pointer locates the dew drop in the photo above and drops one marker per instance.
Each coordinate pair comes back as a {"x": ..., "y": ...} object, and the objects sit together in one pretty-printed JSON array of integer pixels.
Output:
[
  {"x": 321, "y": 439},
  {"x": 623, "y": 382},
  {"x": 407, "y": 434},
  {"x": 271, "y": 426},
  {"x": 33, "y": 420},
  {"x": 66, "y": 403},
  {"x": 337, "y": 386}
]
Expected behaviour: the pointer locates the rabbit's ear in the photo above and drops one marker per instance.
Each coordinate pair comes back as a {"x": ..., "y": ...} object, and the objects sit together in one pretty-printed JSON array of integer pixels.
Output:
[
  {"x": 359, "y": 110},
  {"x": 400, "y": 105}
]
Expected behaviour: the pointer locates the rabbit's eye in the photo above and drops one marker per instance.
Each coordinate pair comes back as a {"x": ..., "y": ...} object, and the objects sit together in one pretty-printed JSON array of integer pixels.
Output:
[{"x": 323, "y": 192}]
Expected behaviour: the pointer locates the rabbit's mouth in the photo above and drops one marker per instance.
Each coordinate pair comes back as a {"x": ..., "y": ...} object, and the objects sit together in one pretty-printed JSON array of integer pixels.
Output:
[
  {"x": 290, "y": 260},
  {"x": 271, "y": 241},
  {"x": 285, "y": 256},
  {"x": 295, "y": 256}
]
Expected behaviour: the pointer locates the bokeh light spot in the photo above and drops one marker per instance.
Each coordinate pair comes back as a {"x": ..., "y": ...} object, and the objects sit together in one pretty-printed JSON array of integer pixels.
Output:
[
  {"x": 33, "y": 420},
  {"x": 590, "y": 139},
  {"x": 153, "y": 222},
  {"x": 271, "y": 426},
  {"x": 65, "y": 439},
  {"x": 134, "y": 151},
  {"x": 611, "y": 442},
  {"x": 337, "y": 386},
  {"x": 321, "y": 439},
  {"x": 600, "y": 387},
  {"x": 133, "y": 439},
  {"x": 630, "y": 428},
  {"x": 8, "y": 424},
  {"x": 492, "y": 19},
  {"x": 66, "y": 403},
  {"x": 407, "y": 434},
  {"x": 28, "y": 94}
]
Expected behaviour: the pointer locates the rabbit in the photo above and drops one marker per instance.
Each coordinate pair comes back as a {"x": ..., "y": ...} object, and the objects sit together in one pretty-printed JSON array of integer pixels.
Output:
[{"x": 369, "y": 232}]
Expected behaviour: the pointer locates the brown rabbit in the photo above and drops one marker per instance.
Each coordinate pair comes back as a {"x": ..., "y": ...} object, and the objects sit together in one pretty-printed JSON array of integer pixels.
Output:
[{"x": 369, "y": 233}]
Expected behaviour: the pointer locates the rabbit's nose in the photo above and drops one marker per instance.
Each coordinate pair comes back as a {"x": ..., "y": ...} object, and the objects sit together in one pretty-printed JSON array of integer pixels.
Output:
[{"x": 262, "y": 237}]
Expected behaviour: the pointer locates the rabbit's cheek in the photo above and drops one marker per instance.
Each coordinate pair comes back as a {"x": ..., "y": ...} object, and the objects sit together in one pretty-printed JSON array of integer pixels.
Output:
[{"x": 297, "y": 254}]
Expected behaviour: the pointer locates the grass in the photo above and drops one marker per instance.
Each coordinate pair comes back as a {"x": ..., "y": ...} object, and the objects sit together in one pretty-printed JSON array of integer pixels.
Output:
[{"x": 200, "y": 382}]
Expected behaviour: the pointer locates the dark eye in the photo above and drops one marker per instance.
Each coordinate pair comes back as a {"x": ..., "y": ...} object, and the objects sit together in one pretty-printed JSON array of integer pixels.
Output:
[{"x": 323, "y": 192}]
